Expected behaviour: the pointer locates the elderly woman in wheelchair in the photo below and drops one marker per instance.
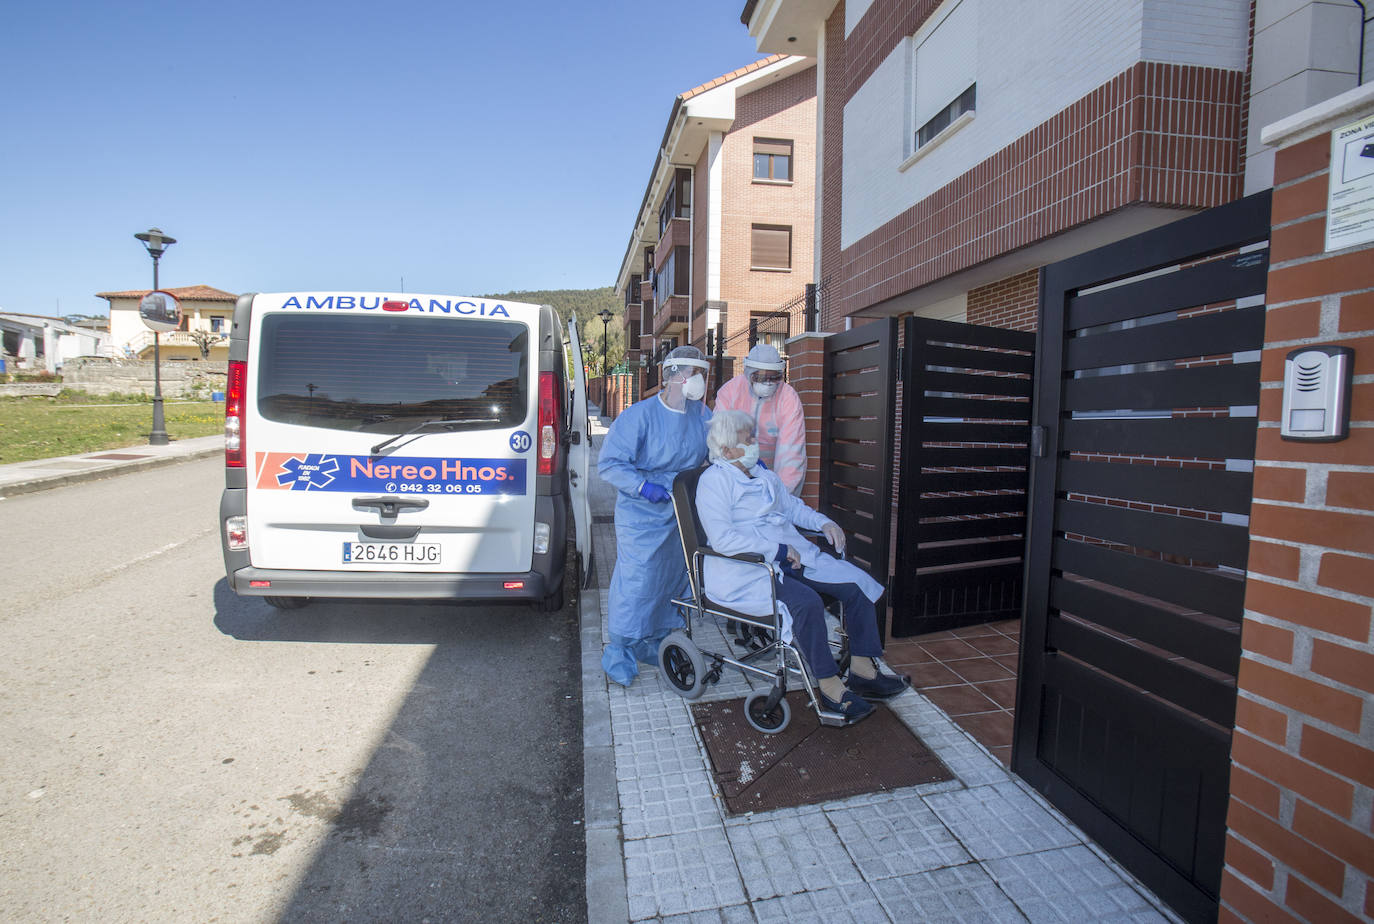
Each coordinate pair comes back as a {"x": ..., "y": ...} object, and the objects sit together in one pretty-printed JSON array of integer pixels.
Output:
[{"x": 744, "y": 508}]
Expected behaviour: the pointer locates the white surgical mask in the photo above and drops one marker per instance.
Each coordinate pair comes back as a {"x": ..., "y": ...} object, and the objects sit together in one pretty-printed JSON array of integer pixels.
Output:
[
  {"x": 750, "y": 457},
  {"x": 694, "y": 389},
  {"x": 764, "y": 390}
]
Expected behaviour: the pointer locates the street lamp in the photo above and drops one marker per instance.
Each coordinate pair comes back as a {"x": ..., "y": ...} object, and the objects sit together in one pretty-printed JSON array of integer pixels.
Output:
[
  {"x": 156, "y": 242},
  {"x": 605, "y": 315}
]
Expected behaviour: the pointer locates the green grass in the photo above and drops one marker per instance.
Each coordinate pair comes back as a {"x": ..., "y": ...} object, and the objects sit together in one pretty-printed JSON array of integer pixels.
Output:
[{"x": 74, "y": 422}]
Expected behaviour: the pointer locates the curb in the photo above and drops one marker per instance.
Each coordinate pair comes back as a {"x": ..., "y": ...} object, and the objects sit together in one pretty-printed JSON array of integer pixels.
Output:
[
  {"x": 44, "y": 482},
  {"x": 607, "y": 899}
]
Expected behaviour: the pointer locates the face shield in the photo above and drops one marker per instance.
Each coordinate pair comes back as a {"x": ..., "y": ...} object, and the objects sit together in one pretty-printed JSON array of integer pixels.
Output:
[{"x": 684, "y": 375}]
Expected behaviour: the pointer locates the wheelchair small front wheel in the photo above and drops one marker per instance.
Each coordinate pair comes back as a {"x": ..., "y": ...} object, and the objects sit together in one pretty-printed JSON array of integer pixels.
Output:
[
  {"x": 682, "y": 664},
  {"x": 768, "y": 721}
]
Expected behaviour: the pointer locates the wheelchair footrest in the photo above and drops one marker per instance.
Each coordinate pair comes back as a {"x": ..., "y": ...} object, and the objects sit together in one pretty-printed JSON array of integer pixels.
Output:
[{"x": 834, "y": 719}]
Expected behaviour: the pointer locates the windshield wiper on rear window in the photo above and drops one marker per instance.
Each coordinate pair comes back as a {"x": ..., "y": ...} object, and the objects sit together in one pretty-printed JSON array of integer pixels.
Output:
[{"x": 446, "y": 423}]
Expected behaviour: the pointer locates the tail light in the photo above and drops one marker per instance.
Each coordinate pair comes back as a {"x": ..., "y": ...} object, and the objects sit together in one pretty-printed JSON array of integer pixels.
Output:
[
  {"x": 550, "y": 423},
  {"x": 233, "y": 414},
  {"x": 236, "y": 533}
]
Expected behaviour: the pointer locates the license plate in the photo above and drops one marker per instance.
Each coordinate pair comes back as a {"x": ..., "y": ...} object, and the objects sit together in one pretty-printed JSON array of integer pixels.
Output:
[{"x": 391, "y": 553}]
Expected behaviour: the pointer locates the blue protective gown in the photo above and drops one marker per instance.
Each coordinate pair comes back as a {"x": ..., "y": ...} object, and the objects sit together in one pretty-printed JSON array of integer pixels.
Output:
[{"x": 648, "y": 442}]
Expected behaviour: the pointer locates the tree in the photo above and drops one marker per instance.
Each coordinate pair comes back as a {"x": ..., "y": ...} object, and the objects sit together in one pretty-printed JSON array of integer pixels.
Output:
[
  {"x": 205, "y": 339},
  {"x": 585, "y": 304}
]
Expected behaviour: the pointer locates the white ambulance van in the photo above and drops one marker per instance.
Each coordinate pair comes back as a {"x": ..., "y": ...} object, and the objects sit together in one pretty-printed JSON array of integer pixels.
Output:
[{"x": 402, "y": 446}]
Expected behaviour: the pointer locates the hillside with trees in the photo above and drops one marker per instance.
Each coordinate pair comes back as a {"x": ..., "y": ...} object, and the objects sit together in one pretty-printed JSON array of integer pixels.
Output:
[{"x": 584, "y": 304}]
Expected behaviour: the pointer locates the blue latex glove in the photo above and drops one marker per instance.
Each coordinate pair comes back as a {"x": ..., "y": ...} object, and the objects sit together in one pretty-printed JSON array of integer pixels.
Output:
[{"x": 654, "y": 493}]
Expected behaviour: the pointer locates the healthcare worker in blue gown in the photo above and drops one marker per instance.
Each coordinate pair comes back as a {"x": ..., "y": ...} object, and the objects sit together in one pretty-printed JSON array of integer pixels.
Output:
[{"x": 647, "y": 446}]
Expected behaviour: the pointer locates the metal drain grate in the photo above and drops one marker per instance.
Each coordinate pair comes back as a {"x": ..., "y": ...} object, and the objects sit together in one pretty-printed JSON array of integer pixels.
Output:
[
  {"x": 805, "y": 763},
  {"x": 603, "y": 518}
]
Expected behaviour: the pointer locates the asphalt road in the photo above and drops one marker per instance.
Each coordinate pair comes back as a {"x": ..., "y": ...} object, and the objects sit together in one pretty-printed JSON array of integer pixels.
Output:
[{"x": 169, "y": 751}]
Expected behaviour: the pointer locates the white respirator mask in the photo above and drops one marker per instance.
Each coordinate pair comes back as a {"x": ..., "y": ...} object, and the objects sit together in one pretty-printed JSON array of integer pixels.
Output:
[
  {"x": 694, "y": 389},
  {"x": 764, "y": 390},
  {"x": 750, "y": 457}
]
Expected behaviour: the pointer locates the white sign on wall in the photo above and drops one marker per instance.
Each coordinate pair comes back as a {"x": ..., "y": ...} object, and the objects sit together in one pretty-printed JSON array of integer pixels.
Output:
[{"x": 1350, "y": 204}]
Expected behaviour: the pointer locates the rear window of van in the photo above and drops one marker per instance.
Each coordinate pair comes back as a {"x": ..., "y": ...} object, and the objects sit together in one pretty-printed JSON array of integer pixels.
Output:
[{"x": 368, "y": 372}]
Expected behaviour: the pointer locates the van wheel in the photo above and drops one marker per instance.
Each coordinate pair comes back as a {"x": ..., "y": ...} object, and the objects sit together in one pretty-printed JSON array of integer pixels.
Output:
[
  {"x": 286, "y": 603},
  {"x": 553, "y": 603}
]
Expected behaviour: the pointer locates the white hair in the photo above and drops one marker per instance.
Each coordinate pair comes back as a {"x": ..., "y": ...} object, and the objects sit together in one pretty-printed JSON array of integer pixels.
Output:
[{"x": 727, "y": 429}]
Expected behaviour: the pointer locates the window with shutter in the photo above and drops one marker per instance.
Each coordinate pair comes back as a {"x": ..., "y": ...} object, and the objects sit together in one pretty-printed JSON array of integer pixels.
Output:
[
  {"x": 773, "y": 159},
  {"x": 943, "y": 80},
  {"x": 772, "y": 247}
]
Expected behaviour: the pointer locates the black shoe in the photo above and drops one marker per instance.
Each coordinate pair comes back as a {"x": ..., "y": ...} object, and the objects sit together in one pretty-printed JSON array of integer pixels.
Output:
[
  {"x": 883, "y": 686},
  {"x": 852, "y": 707}
]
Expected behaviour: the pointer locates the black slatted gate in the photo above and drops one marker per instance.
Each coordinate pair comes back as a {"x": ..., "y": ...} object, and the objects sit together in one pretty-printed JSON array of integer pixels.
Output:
[
  {"x": 964, "y": 464},
  {"x": 857, "y": 432},
  {"x": 1146, "y": 387}
]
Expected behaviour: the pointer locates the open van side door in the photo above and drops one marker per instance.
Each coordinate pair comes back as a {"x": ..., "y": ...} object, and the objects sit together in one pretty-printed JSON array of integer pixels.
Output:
[{"x": 580, "y": 458}]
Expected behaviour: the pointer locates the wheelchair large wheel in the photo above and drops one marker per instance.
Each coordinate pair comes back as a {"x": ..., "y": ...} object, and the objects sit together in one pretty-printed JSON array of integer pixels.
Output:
[
  {"x": 768, "y": 721},
  {"x": 682, "y": 664}
]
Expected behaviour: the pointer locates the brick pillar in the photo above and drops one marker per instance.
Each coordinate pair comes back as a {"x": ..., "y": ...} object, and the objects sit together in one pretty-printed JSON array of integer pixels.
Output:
[
  {"x": 1299, "y": 843},
  {"x": 805, "y": 370}
]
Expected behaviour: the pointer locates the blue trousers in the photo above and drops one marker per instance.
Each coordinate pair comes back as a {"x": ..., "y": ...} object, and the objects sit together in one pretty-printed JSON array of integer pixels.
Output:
[{"x": 808, "y": 621}]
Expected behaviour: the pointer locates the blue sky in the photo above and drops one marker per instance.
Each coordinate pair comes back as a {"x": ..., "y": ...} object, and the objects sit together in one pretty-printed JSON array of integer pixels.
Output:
[{"x": 465, "y": 147}]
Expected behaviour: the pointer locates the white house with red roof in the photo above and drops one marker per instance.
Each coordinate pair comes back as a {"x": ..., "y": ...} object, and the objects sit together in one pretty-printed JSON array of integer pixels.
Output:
[{"x": 203, "y": 309}]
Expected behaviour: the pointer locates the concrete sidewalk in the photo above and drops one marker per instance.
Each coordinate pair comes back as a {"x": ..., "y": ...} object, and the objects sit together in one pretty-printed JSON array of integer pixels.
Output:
[
  {"x": 41, "y": 474},
  {"x": 660, "y": 846}
]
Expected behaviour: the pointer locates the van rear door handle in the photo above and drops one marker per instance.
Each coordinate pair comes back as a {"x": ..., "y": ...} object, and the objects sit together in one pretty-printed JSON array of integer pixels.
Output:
[{"x": 390, "y": 506}]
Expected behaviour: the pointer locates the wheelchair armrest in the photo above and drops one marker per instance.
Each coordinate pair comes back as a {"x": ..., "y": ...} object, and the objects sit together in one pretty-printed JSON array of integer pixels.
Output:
[
  {"x": 818, "y": 538},
  {"x": 753, "y": 558}
]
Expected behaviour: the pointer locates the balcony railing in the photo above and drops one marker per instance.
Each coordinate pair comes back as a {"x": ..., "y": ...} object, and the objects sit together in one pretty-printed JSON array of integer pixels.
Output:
[{"x": 176, "y": 338}]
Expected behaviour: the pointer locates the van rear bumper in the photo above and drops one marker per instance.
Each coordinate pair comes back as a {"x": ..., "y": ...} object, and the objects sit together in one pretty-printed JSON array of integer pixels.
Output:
[{"x": 388, "y": 585}]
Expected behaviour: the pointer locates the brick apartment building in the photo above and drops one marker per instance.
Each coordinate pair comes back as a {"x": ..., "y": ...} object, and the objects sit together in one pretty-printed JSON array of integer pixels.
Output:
[
  {"x": 724, "y": 231},
  {"x": 970, "y": 155}
]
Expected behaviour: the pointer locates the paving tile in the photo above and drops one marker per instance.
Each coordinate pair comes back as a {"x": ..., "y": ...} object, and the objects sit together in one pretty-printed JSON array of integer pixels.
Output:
[
  {"x": 933, "y": 674},
  {"x": 960, "y": 700},
  {"x": 956, "y": 894},
  {"x": 855, "y": 903},
  {"x": 965, "y": 758},
  {"x": 668, "y": 803},
  {"x": 1011, "y": 662},
  {"x": 980, "y": 670},
  {"x": 1000, "y": 820},
  {"x": 1070, "y": 885},
  {"x": 900, "y": 837},
  {"x": 681, "y": 873},
  {"x": 786, "y": 855},
  {"x": 906, "y": 651},
  {"x": 992, "y": 729},
  {"x": 994, "y": 645},
  {"x": 951, "y": 649},
  {"x": 1002, "y": 754},
  {"x": 735, "y": 914},
  {"x": 1001, "y": 692}
]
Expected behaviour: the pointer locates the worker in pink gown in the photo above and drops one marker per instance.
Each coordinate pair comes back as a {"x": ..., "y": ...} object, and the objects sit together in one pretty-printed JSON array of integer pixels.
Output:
[{"x": 761, "y": 393}]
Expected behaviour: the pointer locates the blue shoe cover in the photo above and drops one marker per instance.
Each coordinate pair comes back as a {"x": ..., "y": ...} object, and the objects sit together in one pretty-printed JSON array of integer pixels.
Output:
[
  {"x": 646, "y": 649},
  {"x": 619, "y": 664}
]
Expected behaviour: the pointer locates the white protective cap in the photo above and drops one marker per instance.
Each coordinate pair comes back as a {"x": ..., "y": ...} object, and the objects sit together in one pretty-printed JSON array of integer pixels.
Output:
[
  {"x": 681, "y": 357},
  {"x": 764, "y": 356}
]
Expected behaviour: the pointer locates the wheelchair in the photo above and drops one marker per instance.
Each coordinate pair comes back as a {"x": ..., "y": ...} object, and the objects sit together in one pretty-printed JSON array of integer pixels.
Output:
[{"x": 689, "y": 670}]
